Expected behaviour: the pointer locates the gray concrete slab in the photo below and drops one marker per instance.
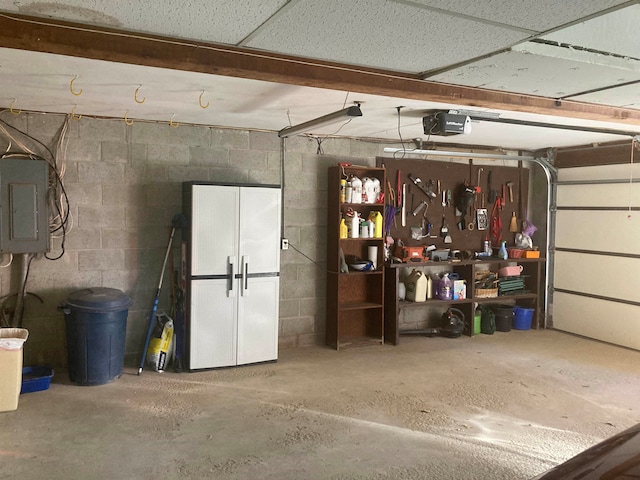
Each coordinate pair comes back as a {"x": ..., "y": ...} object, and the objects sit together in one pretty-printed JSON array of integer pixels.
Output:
[{"x": 506, "y": 406}]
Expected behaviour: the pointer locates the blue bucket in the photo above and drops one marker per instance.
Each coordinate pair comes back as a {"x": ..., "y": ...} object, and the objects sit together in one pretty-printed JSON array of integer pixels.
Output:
[{"x": 522, "y": 318}]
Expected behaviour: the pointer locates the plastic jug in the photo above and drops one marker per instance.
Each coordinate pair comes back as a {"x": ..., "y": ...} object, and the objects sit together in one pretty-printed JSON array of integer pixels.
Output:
[
  {"x": 356, "y": 186},
  {"x": 355, "y": 226},
  {"x": 376, "y": 218},
  {"x": 344, "y": 231},
  {"x": 416, "y": 286},
  {"x": 446, "y": 288},
  {"x": 503, "y": 254}
]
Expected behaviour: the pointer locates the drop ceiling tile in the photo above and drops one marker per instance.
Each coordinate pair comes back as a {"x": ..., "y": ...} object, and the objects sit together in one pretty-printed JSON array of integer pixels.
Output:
[
  {"x": 544, "y": 71},
  {"x": 627, "y": 96},
  {"x": 210, "y": 21},
  {"x": 539, "y": 15},
  {"x": 616, "y": 32},
  {"x": 385, "y": 35}
]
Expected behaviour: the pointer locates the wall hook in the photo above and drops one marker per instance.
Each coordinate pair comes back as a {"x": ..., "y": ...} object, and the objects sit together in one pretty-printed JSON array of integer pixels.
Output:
[
  {"x": 172, "y": 124},
  {"x": 200, "y": 101},
  {"x": 135, "y": 95},
  {"x": 126, "y": 119},
  {"x": 15, "y": 112},
  {"x": 79, "y": 92},
  {"x": 73, "y": 114}
]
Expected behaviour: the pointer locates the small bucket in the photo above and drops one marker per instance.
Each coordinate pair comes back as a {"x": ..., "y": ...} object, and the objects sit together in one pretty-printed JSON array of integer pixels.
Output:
[
  {"x": 504, "y": 317},
  {"x": 522, "y": 318}
]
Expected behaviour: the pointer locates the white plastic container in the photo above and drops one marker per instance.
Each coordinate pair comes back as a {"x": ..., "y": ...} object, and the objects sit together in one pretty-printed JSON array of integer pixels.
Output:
[
  {"x": 11, "y": 342},
  {"x": 416, "y": 286}
]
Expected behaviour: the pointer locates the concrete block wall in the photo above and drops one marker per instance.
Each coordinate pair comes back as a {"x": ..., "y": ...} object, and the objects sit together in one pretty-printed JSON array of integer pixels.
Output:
[{"x": 124, "y": 186}]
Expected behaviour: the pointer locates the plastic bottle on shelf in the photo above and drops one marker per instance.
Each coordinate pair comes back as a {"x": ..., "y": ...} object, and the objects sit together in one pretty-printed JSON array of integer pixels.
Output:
[
  {"x": 348, "y": 193},
  {"x": 429, "y": 287},
  {"x": 372, "y": 228},
  {"x": 486, "y": 246},
  {"x": 503, "y": 254},
  {"x": 356, "y": 186},
  {"x": 446, "y": 288},
  {"x": 355, "y": 226},
  {"x": 376, "y": 218},
  {"x": 344, "y": 230},
  {"x": 343, "y": 190},
  {"x": 364, "y": 229}
]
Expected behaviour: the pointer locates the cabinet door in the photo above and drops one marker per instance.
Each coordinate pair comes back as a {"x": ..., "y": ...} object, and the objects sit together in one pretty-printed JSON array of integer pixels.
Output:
[
  {"x": 212, "y": 339},
  {"x": 258, "y": 320},
  {"x": 260, "y": 228},
  {"x": 214, "y": 228}
]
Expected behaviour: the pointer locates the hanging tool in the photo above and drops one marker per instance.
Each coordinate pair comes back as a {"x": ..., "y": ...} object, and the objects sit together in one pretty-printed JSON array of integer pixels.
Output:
[
  {"x": 399, "y": 188},
  {"x": 513, "y": 223},
  {"x": 420, "y": 206},
  {"x": 490, "y": 192},
  {"x": 404, "y": 210},
  {"x": 482, "y": 220},
  {"x": 426, "y": 189},
  {"x": 444, "y": 230},
  {"x": 444, "y": 199},
  {"x": 448, "y": 198},
  {"x": 510, "y": 188},
  {"x": 503, "y": 197},
  {"x": 478, "y": 187},
  {"x": 495, "y": 228}
]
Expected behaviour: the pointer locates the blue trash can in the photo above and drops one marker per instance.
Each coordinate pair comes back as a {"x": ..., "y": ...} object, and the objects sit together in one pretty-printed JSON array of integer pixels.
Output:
[{"x": 96, "y": 325}]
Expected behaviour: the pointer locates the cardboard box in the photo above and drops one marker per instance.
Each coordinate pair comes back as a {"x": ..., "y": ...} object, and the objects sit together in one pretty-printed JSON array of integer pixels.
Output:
[
  {"x": 459, "y": 289},
  {"x": 11, "y": 342}
]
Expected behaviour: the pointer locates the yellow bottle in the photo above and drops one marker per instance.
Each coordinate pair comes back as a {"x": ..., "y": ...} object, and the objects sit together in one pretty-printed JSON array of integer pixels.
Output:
[
  {"x": 376, "y": 218},
  {"x": 344, "y": 231}
]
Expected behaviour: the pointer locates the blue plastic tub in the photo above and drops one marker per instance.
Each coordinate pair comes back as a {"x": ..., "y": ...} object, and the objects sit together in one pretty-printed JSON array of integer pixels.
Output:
[
  {"x": 36, "y": 379},
  {"x": 522, "y": 318}
]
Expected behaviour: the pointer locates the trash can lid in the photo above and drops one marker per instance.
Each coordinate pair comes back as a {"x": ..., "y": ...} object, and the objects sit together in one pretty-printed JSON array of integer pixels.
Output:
[{"x": 99, "y": 299}]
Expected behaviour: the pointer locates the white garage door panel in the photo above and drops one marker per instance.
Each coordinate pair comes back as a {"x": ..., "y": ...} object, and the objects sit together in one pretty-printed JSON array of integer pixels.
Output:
[
  {"x": 603, "y": 195},
  {"x": 581, "y": 272},
  {"x": 607, "y": 321},
  {"x": 603, "y": 172},
  {"x": 601, "y": 231}
]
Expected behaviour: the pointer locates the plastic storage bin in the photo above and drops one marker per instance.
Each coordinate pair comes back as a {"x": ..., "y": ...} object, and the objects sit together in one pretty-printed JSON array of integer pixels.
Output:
[
  {"x": 522, "y": 318},
  {"x": 504, "y": 317},
  {"x": 11, "y": 343},
  {"x": 96, "y": 324},
  {"x": 36, "y": 378}
]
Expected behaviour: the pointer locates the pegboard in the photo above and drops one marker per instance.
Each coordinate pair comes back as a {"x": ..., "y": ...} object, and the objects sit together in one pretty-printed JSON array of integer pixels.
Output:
[{"x": 452, "y": 176}]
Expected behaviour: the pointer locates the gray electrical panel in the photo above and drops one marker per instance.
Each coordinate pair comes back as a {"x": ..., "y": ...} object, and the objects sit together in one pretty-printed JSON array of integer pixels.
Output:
[{"x": 24, "y": 220}]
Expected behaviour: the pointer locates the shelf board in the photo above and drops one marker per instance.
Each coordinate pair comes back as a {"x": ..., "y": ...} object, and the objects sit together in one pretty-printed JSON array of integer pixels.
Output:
[
  {"x": 432, "y": 302},
  {"x": 521, "y": 296},
  {"x": 358, "y": 273},
  {"x": 464, "y": 262},
  {"x": 359, "y": 306}
]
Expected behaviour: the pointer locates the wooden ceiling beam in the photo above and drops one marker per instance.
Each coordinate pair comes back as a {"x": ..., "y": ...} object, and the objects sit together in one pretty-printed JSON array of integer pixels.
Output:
[{"x": 65, "y": 38}]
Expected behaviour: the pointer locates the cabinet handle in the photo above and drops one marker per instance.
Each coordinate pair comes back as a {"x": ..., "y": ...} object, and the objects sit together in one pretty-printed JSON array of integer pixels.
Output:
[
  {"x": 232, "y": 276},
  {"x": 245, "y": 275}
]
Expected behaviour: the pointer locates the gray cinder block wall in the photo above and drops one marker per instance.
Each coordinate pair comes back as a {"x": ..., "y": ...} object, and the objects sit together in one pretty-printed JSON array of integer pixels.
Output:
[{"x": 124, "y": 186}]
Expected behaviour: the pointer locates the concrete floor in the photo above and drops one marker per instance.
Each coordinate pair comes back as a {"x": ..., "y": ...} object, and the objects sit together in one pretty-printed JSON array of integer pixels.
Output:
[{"x": 506, "y": 406}]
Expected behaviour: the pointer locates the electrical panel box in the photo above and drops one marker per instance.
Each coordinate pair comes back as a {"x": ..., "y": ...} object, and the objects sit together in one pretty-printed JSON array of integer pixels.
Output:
[{"x": 24, "y": 219}]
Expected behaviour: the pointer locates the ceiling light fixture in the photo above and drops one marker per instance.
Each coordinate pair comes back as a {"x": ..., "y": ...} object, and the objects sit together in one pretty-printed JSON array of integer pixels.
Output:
[{"x": 339, "y": 116}]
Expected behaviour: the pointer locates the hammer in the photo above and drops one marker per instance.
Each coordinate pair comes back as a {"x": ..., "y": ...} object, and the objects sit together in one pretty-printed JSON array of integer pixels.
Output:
[{"x": 510, "y": 187}]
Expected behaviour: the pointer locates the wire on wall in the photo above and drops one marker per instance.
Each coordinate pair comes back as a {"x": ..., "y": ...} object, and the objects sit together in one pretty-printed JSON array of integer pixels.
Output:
[{"x": 60, "y": 219}]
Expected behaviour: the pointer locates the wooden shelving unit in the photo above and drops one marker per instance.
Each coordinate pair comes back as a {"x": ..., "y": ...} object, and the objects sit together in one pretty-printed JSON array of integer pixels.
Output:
[
  {"x": 532, "y": 271},
  {"x": 355, "y": 300}
]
